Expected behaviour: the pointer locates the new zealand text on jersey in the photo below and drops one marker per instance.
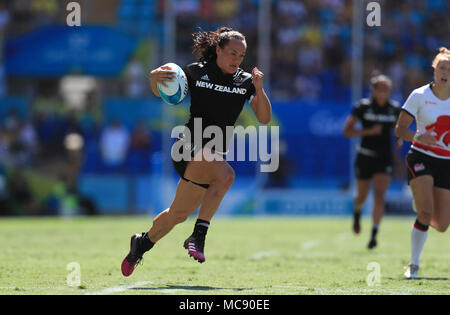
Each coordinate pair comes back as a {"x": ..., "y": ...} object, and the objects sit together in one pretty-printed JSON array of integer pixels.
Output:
[{"x": 220, "y": 88}]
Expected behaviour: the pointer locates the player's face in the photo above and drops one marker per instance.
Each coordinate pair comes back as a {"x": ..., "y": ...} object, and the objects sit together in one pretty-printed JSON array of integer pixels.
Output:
[
  {"x": 442, "y": 73},
  {"x": 230, "y": 57},
  {"x": 381, "y": 92}
]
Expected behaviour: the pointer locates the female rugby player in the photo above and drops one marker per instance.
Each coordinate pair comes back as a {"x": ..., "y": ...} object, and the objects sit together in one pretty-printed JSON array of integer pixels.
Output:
[
  {"x": 219, "y": 89},
  {"x": 374, "y": 160},
  {"x": 428, "y": 161}
]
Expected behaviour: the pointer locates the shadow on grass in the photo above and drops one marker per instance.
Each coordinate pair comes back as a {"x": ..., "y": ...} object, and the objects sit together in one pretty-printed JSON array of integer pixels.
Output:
[
  {"x": 422, "y": 278},
  {"x": 191, "y": 288}
]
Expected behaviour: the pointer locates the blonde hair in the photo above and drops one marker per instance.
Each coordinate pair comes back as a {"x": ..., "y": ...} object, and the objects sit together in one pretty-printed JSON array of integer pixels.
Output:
[{"x": 444, "y": 54}]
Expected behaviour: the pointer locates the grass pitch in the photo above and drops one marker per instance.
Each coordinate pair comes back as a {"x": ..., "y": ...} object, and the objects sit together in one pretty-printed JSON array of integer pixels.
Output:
[{"x": 251, "y": 256}]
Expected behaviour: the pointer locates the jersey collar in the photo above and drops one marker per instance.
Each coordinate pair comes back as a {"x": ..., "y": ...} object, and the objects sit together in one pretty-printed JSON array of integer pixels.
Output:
[{"x": 215, "y": 68}]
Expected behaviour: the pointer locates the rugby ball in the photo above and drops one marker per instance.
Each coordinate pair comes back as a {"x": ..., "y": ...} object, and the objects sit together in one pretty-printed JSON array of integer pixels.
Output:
[{"x": 177, "y": 89}]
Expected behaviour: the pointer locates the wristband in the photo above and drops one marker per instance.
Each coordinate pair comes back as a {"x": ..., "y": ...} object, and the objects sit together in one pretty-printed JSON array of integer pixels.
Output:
[{"x": 416, "y": 137}]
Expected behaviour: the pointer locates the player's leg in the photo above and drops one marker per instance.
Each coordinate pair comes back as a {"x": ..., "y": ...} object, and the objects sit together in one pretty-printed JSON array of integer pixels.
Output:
[
  {"x": 441, "y": 216},
  {"x": 364, "y": 170},
  {"x": 422, "y": 190},
  {"x": 363, "y": 188},
  {"x": 220, "y": 176},
  {"x": 187, "y": 199},
  {"x": 381, "y": 183}
]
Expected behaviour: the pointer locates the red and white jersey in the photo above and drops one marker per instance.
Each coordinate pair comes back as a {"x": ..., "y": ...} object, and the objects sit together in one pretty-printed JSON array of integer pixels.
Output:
[{"x": 431, "y": 113}]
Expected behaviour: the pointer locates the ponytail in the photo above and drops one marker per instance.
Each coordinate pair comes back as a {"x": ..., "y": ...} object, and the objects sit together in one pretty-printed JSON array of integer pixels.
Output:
[{"x": 205, "y": 42}]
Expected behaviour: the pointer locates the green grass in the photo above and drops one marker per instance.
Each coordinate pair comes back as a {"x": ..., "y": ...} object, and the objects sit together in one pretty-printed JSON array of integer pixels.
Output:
[{"x": 295, "y": 255}]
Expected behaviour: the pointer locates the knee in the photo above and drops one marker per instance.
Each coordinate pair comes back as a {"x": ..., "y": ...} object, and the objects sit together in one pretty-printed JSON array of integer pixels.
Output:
[
  {"x": 441, "y": 228},
  {"x": 360, "y": 199},
  {"x": 379, "y": 198},
  {"x": 226, "y": 179},
  {"x": 379, "y": 193}
]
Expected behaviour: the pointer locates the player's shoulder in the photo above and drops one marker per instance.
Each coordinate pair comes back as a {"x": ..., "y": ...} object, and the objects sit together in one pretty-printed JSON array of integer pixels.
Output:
[
  {"x": 363, "y": 103},
  {"x": 417, "y": 96},
  {"x": 394, "y": 104},
  {"x": 423, "y": 90},
  {"x": 195, "y": 66}
]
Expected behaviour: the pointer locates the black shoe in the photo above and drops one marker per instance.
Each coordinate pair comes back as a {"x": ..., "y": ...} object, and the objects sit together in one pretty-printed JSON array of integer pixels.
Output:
[
  {"x": 372, "y": 244},
  {"x": 195, "y": 248},
  {"x": 134, "y": 257}
]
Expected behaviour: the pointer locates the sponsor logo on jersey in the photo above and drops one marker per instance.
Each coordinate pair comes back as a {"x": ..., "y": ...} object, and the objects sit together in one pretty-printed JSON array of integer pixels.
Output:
[
  {"x": 380, "y": 117},
  {"x": 205, "y": 77},
  {"x": 430, "y": 103},
  {"x": 419, "y": 167}
]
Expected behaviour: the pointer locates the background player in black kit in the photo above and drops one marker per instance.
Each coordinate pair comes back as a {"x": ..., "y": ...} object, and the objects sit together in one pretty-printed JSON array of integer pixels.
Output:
[
  {"x": 219, "y": 90},
  {"x": 378, "y": 116}
]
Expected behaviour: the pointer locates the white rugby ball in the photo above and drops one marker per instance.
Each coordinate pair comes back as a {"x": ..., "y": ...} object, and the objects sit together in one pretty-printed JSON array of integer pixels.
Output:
[{"x": 177, "y": 89}]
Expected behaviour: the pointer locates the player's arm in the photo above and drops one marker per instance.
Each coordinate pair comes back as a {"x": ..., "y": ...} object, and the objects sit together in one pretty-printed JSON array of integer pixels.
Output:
[
  {"x": 160, "y": 75},
  {"x": 260, "y": 103},
  {"x": 350, "y": 130},
  {"x": 398, "y": 141},
  {"x": 402, "y": 131}
]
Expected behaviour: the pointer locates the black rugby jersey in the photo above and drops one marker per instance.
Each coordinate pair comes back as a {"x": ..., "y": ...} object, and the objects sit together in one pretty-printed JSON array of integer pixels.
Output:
[
  {"x": 370, "y": 114},
  {"x": 216, "y": 98}
]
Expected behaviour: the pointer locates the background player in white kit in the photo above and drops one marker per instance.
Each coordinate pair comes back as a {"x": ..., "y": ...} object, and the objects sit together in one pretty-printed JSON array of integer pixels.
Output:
[{"x": 428, "y": 161}]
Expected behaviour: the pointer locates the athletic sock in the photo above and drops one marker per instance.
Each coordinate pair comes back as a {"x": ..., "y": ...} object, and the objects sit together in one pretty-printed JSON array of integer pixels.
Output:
[
  {"x": 146, "y": 243},
  {"x": 374, "y": 231},
  {"x": 200, "y": 229},
  {"x": 356, "y": 216},
  {"x": 419, "y": 235}
]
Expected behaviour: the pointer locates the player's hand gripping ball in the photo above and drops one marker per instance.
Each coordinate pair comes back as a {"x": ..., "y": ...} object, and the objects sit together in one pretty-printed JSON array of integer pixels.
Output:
[{"x": 174, "y": 92}]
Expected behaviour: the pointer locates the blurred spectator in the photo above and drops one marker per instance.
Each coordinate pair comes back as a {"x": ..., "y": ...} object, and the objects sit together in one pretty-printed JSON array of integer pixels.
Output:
[
  {"x": 47, "y": 7},
  {"x": 4, "y": 16},
  {"x": 4, "y": 153},
  {"x": 12, "y": 121},
  {"x": 141, "y": 139},
  {"x": 4, "y": 19},
  {"x": 21, "y": 197},
  {"x": 136, "y": 80},
  {"x": 187, "y": 8},
  {"x": 4, "y": 204},
  {"x": 28, "y": 137},
  {"x": 114, "y": 142}
]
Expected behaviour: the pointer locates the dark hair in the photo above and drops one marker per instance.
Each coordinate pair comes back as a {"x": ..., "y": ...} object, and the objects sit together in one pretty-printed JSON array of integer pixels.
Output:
[{"x": 205, "y": 42}]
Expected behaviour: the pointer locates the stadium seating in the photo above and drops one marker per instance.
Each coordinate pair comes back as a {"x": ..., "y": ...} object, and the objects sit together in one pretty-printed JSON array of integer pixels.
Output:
[{"x": 138, "y": 17}]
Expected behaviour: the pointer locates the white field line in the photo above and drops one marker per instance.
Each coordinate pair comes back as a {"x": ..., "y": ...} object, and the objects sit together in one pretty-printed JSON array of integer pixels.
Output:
[
  {"x": 310, "y": 244},
  {"x": 119, "y": 289},
  {"x": 264, "y": 254},
  {"x": 269, "y": 253},
  {"x": 340, "y": 237}
]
